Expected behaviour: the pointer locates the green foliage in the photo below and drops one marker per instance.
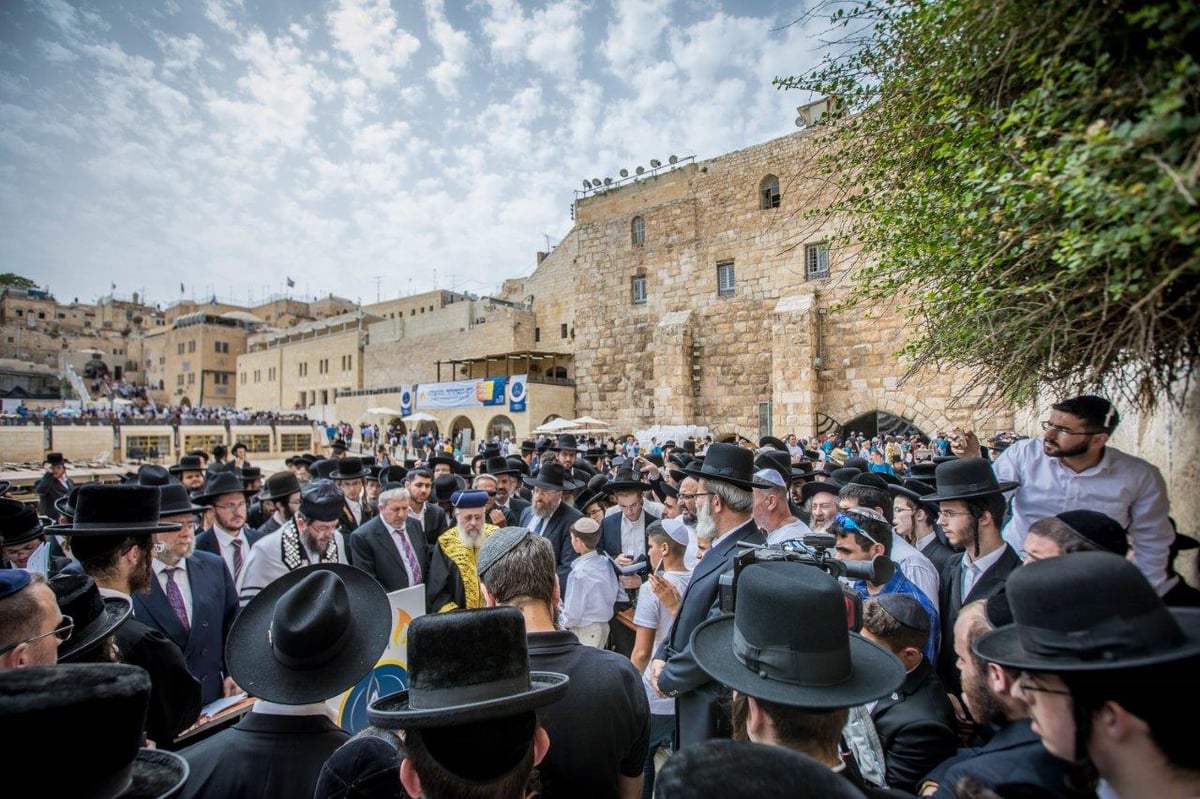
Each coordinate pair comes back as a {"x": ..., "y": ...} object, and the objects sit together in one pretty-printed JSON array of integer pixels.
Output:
[
  {"x": 14, "y": 281},
  {"x": 1023, "y": 177}
]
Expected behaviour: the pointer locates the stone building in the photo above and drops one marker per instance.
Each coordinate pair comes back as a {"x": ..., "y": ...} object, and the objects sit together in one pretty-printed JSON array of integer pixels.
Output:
[{"x": 706, "y": 293}]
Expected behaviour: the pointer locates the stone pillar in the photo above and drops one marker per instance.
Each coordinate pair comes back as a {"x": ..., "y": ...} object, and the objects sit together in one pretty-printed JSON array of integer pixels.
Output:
[
  {"x": 795, "y": 390},
  {"x": 672, "y": 364}
]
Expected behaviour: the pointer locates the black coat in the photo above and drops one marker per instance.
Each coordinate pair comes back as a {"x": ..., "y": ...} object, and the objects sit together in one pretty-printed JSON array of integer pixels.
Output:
[
  {"x": 435, "y": 522},
  {"x": 263, "y": 756},
  {"x": 374, "y": 551},
  {"x": 50, "y": 491},
  {"x": 174, "y": 692},
  {"x": 557, "y": 530},
  {"x": 916, "y": 727},
  {"x": 610, "y": 533},
  {"x": 939, "y": 551},
  {"x": 1014, "y": 754},
  {"x": 699, "y": 706},
  {"x": 990, "y": 582}
]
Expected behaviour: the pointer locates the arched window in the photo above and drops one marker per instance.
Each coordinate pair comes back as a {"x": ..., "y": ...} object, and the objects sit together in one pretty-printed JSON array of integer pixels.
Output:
[
  {"x": 768, "y": 192},
  {"x": 637, "y": 231}
]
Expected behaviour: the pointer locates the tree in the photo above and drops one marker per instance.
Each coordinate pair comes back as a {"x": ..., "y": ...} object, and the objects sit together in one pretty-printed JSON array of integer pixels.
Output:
[
  {"x": 14, "y": 281},
  {"x": 1023, "y": 177}
]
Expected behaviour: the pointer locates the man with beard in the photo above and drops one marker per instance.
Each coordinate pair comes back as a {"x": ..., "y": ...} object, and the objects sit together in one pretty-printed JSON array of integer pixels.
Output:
[
  {"x": 1014, "y": 753},
  {"x": 192, "y": 599},
  {"x": 550, "y": 517},
  {"x": 453, "y": 583},
  {"x": 507, "y": 483},
  {"x": 311, "y": 537},
  {"x": 697, "y": 545},
  {"x": 283, "y": 492},
  {"x": 1071, "y": 466},
  {"x": 724, "y": 505},
  {"x": 111, "y": 535},
  {"x": 428, "y": 515},
  {"x": 971, "y": 507},
  {"x": 821, "y": 500}
]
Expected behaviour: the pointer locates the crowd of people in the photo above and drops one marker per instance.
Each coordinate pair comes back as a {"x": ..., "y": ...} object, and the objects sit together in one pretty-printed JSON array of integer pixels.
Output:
[
  {"x": 615, "y": 619},
  {"x": 108, "y": 412}
]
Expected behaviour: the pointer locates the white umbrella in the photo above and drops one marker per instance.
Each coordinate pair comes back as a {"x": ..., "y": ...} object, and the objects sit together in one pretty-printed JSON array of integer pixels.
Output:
[
  {"x": 419, "y": 416},
  {"x": 589, "y": 421},
  {"x": 383, "y": 411},
  {"x": 556, "y": 425}
]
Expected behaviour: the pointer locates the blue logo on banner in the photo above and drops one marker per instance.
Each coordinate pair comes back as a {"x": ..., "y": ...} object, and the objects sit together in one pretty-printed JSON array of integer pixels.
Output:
[
  {"x": 406, "y": 401},
  {"x": 516, "y": 396}
]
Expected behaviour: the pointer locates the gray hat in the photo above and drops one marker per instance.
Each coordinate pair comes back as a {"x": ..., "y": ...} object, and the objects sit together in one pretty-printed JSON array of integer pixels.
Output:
[{"x": 497, "y": 545}]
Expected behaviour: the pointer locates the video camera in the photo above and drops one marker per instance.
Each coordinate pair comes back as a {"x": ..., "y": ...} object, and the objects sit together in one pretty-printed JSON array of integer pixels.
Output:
[{"x": 816, "y": 551}]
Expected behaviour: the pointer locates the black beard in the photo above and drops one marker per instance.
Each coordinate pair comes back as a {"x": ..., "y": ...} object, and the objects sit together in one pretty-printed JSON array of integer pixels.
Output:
[{"x": 1062, "y": 452}]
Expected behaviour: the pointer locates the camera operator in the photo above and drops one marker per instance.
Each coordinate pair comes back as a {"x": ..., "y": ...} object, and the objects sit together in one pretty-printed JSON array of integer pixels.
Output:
[{"x": 863, "y": 534}]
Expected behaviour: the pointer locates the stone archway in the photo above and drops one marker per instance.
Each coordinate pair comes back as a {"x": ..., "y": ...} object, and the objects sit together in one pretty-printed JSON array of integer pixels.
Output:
[
  {"x": 901, "y": 405},
  {"x": 550, "y": 418},
  {"x": 501, "y": 427},
  {"x": 459, "y": 424},
  {"x": 875, "y": 423}
]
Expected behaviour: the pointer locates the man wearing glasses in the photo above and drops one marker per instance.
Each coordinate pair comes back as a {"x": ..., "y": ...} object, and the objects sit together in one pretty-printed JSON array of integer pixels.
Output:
[
  {"x": 229, "y": 536},
  {"x": 31, "y": 626},
  {"x": 1071, "y": 467}
]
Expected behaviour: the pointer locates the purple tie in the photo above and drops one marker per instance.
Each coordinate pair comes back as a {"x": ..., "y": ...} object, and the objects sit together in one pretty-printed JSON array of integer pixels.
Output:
[
  {"x": 175, "y": 597},
  {"x": 409, "y": 555},
  {"x": 237, "y": 557}
]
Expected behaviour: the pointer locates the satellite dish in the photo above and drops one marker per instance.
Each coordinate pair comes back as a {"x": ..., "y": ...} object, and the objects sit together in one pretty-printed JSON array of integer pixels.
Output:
[
  {"x": 624, "y": 173},
  {"x": 587, "y": 184},
  {"x": 673, "y": 159},
  {"x": 655, "y": 163},
  {"x": 640, "y": 170},
  {"x": 596, "y": 181},
  {"x": 608, "y": 181}
]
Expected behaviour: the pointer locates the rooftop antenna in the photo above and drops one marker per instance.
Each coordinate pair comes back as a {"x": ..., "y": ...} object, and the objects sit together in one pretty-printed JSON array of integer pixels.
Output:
[{"x": 377, "y": 279}]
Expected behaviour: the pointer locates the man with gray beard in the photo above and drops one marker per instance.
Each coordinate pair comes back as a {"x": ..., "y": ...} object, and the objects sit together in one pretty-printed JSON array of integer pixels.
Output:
[
  {"x": 821, "y": 502},
  {"x": 697, "y": 544},
  {"x": 550, "y": 517},
  {"x": 192, "y": 598}
]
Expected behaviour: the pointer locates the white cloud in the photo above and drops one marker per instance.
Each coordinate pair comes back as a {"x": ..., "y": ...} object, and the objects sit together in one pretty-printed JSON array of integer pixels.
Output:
[
  {"x": 550, "y": 38},
  {"x": 634, "y": 35},
  {"x": 56, "y": 53},
  {"x": 218, "y": 12},
  {"x": 455, "y": 46},
  {"x": 180, "y": 52},
  {"x": 367, "y": 31}
]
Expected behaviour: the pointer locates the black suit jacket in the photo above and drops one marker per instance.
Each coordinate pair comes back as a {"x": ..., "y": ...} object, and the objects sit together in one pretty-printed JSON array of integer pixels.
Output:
[
  {"x": 50, "y": 491},
  {"x": 610, "y": 533},
  {"x": 938, "y": 552},
  {"x": 1014, "y": 754},
  {"x": 916, "y": 727},
  {"x": 264, "y": 756},
  {"x": 374, "y": 551},
  {"x": 990, "y": 582},
  {"x": 513, "y": 511},
  {"x": 174, "y": 692},
  {"x": 346, "y": 522},
  {"x": 207, "y": 542},
  {"x": 435, "y": 522},
  {"x": 557, "y": 530},
  {"x": 214, "y": 608},
  {"x": 699, "y": 714}
]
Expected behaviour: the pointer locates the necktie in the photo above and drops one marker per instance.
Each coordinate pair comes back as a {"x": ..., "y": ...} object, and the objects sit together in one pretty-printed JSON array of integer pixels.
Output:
[
  {"x": 237, "y": 557},
  {"x": 409, "y": 555},
  {"x": 537, "y": 526},
  {"x": 175, "y": 597}
]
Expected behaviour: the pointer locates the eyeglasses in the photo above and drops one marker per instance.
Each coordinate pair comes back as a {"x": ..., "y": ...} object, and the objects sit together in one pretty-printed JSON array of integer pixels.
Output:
[
  {"x": 846, "y": 523},
  {"x": 950, "y": 514},
  {"x": 62, "y": 632},
  {"x": 1066, "y": 431},
  {"x": 1025, "y": 685},
  {"x": 230, "y": 507}
]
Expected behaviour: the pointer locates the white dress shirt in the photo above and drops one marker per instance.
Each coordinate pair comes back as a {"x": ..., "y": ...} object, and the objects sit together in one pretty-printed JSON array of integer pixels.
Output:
[
  {"x": 633, "y": 535},
  {"x": 918, "y": 568},
  {"x": 972, "y": 570},
  {"x": 592, "y": 590}
]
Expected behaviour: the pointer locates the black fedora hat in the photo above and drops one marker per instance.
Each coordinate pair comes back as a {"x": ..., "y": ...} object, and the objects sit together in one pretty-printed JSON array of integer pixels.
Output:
[
  {"x": 727, "y": 463},
  {"x": 588, "y": 496},
  {"x": 115, "y": 511},
  {"x": 339, "y": 446},
  {"x": 444, "y": 486},
  {"x": 349, "y": 469},
  {"x": 925, "y": 471},
  {"x": 304, "y": 459},
  {"x": 56, "y": 459},
  {"x": 1123, "y": 623},
  {"x": 705, "y": 771},
  {"x": 916, "y": 490},
  {"x": 174, "y": 501},
  {"x": 498, "y": 464},
  {"x": 96, "y": 617},
  {"x": 224, "y": 483},
  {"x": 780, "y": 462},
  {"x": 855, "y": 462},
  {"x": 19, "y": 522},
  {"x": 188, "y": 463},
  {"x": 815, "y": 663},
  {"x": 280, "y": 485},
  {"x": 323, "y": 468},
  {"x": 251, "y": 473},
  {"x": 965, "y": 478},
  {"x": 771, "y": 442},
  {"x": 528, "y": 445},
  {"x": 810, "y": 490},
  {"x": 310, "y": 634},
  {"x": 66, "y": 505},
  {"x": 465, "y": 668},
  {"x": 565, "y": 441},
  {"x": 151, "y": 474},
  {"x": 626, "y": 480},
  {"x": 95, "y": 715},
  {"x": 553, "y": 477},
  {"x": 392, "y": 474}
]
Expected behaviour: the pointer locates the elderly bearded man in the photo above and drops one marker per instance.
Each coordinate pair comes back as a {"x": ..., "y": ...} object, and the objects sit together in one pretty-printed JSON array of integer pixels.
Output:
[{"x": 453, "y": 583}]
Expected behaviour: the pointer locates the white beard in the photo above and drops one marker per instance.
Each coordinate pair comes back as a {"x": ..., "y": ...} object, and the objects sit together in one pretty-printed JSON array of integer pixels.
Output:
[{"x": 706, "y": 525}]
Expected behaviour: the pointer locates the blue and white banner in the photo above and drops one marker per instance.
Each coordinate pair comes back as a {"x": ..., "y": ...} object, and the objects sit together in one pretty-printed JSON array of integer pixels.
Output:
[
  {"x": 406, "y": 400},
  {"x": 517, "y": 393},
  {"x": 462, "y": 393}
]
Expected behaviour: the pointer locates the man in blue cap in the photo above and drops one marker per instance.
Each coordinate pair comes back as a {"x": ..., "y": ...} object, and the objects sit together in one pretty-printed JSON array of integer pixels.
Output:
[{"x": 452, "y": 582}]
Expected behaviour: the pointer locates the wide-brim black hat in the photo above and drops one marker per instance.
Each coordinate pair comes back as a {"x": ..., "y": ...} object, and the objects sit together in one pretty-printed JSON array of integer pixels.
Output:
[
  {"x": 223, "y": 483},
  {"x": 498, "y": 465},
  {"x": 810, "y": 490},
  {"x": 19, "y": 522},
  {"x": 255, "y": 650},
  {"x": 174, "y": 501},
  {"x": 626, "y": 480},
  {"x": 966, "y": 478},
  {"x": 349, "y": 469},
  {"x": 727, "y": 463},
  {"x": 96, "y": 616},
  {"x": 553, "y": 477},
  {"x": 566, "y": 441},
  {"x": 466, "y": 668},
  {"x": 115, "y": 511},
  {"x": 744, "y": 651},
  {"x": 280, "y": 485},
  {"x": 1123, "y": 625},
  {"x": 4, "y": 486},
  {"x": 445, "y": 458},
  {"x": 588, "y": 496},
  {"x": 188, "y": 463}
]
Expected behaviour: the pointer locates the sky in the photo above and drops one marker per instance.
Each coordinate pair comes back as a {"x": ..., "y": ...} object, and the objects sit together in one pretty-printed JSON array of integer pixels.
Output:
[{"x": 364, "y": 148}]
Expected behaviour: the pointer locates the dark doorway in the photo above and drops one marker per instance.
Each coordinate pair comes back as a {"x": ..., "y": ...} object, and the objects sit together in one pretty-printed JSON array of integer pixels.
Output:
[{"x": 882, "y": 423}]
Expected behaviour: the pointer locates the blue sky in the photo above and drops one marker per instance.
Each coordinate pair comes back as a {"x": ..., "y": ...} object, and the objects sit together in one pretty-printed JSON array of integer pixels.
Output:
[{"x": 360, "y": 147}]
